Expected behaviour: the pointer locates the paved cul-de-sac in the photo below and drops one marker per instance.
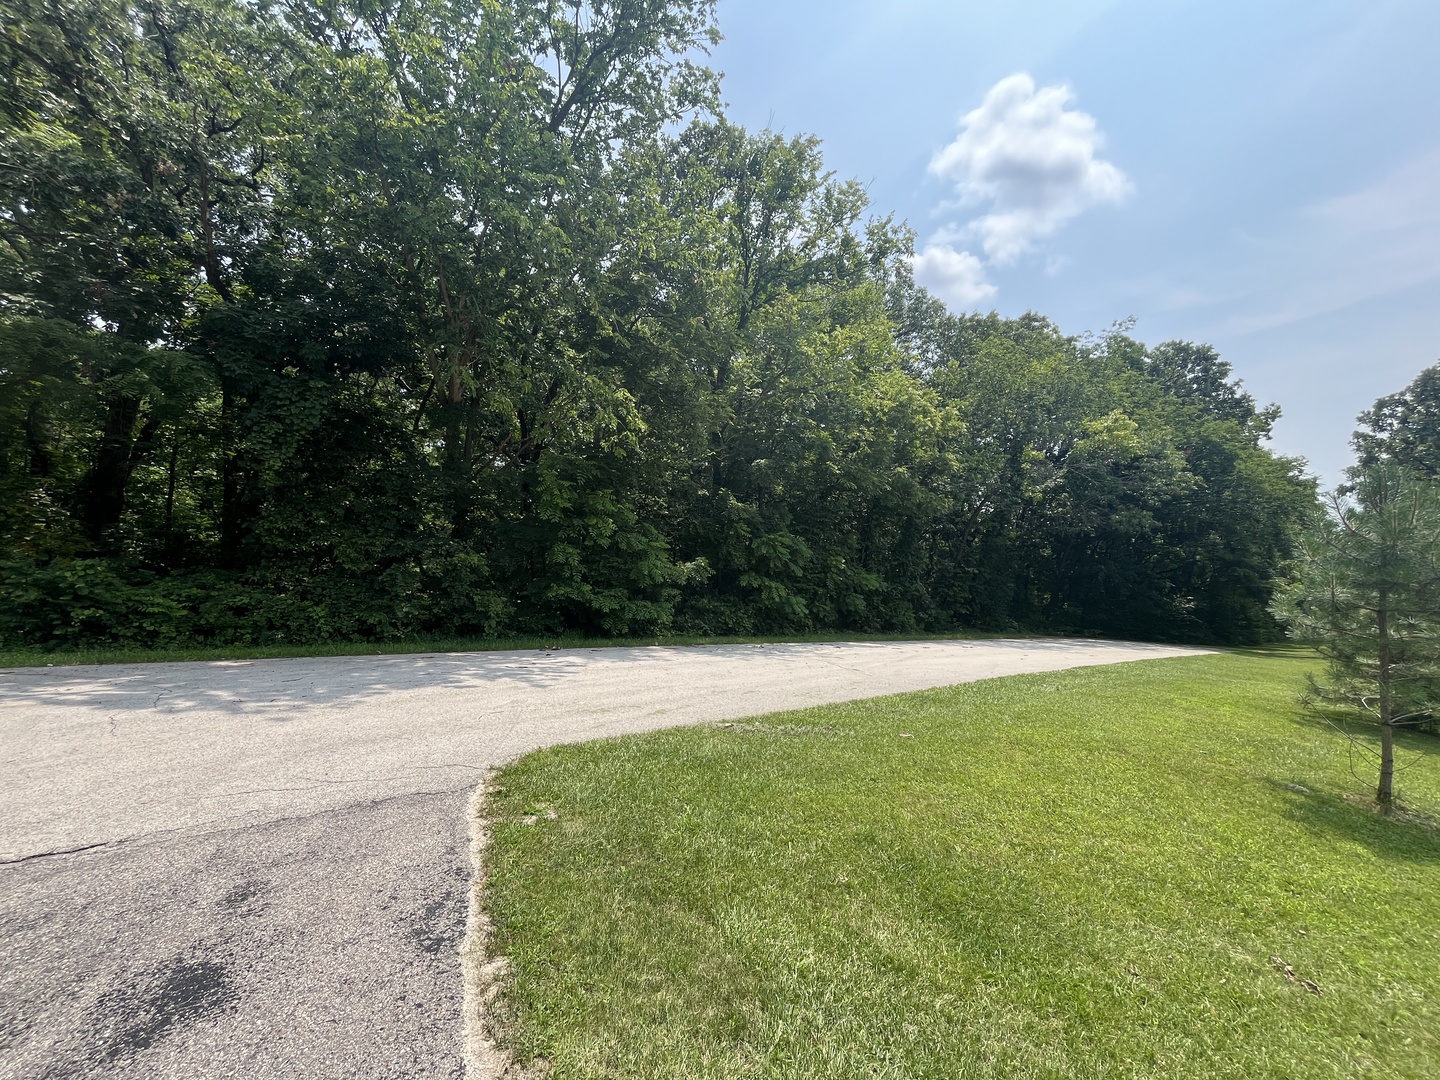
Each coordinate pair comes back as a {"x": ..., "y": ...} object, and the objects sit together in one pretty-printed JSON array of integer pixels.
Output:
[{"x": 262, "y": 868}]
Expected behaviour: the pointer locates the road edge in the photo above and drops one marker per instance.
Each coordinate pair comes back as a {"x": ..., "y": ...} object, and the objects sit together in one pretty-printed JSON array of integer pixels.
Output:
[{"x": 480, "y": 973}]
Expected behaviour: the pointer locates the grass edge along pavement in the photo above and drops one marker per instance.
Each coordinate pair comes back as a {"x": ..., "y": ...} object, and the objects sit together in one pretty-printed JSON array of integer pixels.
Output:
[{"x": 1147, "y": 869}]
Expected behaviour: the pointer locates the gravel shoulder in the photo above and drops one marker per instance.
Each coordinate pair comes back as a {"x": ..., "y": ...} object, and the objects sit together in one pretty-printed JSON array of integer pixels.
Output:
[{"x": 261, "y": 868}]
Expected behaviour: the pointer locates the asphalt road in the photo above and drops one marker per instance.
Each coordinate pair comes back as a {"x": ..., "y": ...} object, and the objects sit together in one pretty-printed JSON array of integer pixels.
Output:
[{"x": 261, "y": 868}]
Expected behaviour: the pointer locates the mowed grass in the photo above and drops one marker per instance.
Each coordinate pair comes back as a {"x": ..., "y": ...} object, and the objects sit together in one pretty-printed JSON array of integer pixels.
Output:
[{"x": 1096, "y": 873}]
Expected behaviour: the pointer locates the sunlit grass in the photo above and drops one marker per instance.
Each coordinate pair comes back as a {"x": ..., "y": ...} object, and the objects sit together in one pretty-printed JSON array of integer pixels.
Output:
[{"x": 1098, "y": 873}]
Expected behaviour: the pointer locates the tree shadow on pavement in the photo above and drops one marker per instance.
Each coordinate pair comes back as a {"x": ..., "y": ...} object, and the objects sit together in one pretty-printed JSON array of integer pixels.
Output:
[{"x": 276, "y": 689}]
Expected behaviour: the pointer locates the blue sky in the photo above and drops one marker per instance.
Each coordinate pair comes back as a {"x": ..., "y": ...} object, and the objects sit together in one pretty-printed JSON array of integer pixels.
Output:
[{"x": 1263, "y": 176}]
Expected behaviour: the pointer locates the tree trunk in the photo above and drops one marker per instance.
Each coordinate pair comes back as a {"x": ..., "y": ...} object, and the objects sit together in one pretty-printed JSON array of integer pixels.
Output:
[
  {"x": 169, "y": 543},
  {"x": 231, "y": 515},
  {"x": 105, "y": 487},
  {"x": 1385, "y": 793},
  {"x": 35, "y": 440}
]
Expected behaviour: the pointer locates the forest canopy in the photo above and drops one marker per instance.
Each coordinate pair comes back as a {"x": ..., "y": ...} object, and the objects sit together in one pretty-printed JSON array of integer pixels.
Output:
[{"x": 377, "y": 320}]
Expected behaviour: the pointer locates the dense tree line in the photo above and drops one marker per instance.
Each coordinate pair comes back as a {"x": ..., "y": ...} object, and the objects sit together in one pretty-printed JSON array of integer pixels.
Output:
[{"x": 396, "y": 317}]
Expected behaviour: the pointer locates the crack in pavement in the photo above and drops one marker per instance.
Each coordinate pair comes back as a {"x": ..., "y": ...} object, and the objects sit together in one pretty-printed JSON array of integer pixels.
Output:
[
  {"x": 15, "y": 860},
  {"x": 161, "y": 835},
  {"x": 326, "y": 946},
  {"x": 381, "y": 779},
  {"x": 328, "y": 783}
]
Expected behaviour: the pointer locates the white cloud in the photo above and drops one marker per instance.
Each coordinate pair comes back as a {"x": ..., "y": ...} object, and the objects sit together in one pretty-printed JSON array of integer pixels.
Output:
[
  {"x": 957, "y": 277},
  {"x": 1033, "y": 160}
]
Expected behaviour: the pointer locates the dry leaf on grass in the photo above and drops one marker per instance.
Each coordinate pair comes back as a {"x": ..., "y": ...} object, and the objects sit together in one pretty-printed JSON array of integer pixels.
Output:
[{"x": 1289, "y": 972}]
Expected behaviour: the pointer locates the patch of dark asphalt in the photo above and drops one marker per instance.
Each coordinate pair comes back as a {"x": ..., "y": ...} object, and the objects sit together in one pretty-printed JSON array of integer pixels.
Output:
[
  {"x": 141, "y": 1013},
  {"x": 245, "y": 899},
  {"x": 439, "y": 926},
  {"x": 314, "y": 947}
]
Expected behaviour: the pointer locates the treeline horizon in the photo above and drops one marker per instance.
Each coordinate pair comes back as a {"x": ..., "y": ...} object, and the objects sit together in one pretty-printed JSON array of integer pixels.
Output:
[{"x": 323, "y": 321}]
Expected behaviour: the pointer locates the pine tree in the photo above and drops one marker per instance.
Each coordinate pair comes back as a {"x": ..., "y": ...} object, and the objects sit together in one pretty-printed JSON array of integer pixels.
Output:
[{"x": 1366, "y": 593}]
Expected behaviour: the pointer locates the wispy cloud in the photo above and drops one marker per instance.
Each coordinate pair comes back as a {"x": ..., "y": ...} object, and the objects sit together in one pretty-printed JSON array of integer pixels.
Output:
[
  {"x": 1372, "y": 242},
  {"x": 1029, "y": 162},
  {"x": 1405, "y": 200}
]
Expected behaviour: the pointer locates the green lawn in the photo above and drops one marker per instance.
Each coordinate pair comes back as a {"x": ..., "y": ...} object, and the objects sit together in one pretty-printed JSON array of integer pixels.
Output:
[{"x": 1098, "y": 873}]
